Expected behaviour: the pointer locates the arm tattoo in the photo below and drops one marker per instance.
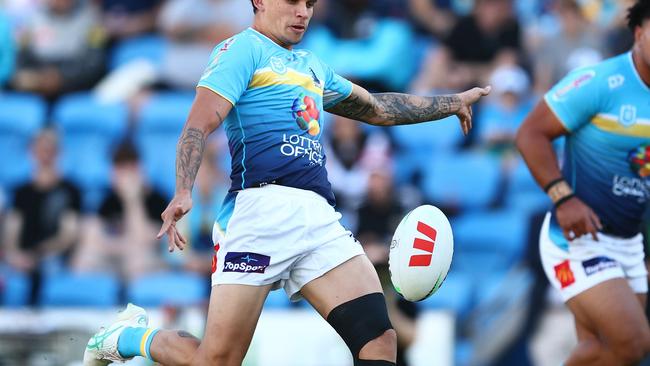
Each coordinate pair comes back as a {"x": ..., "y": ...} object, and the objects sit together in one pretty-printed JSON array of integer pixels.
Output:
[
  {"x": 189, "y": 154},
  {"x": 397, "y": 109}
]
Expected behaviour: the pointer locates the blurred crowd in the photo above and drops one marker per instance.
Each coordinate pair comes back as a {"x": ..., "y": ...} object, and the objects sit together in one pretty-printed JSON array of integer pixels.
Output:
[{"x": 94, "y": 93}]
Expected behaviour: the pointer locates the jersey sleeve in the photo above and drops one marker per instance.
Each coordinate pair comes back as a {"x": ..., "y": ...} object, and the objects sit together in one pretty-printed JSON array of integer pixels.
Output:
[
  {"x": 337, "y": 88},
  {"x": 575, "y": 99},
  {"x": 231, "y": 67}
]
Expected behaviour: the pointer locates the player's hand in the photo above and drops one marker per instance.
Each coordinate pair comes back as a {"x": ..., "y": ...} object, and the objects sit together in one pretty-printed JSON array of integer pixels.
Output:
[
  {"x": 577, "y": 219},
  {"x": 177, "y": 208},
  {"x": 467, "y": 98}
]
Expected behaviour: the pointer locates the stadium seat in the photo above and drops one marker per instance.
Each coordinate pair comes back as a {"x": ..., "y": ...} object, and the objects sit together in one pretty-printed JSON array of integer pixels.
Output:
[
  {"x": 488, "y": 241},
  {"x": 159, "y": 127},
  {"x": 523, "y": 192},
  {"x": 14, "y": 287},
  {"x": 21, "y": 117},
  {"x": 151, "y": 48},
  {"x": 455, "y": 294},
  {"x": 88, "y": 289},
  {"x": 277, "y": 299},
  {"x": 167, "y": 288},
  {"x": 466, "y": 180},
  {"x": 90, "y": 132}
]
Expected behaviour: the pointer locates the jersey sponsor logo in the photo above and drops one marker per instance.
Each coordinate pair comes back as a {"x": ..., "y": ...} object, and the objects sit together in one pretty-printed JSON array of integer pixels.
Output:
[
  {"x": 580, "y": 81},
  {"x": 277, "y": 65},
  {"x": 615, "y": 81},
  {"x": 564, "y": 274},
  {"x": 627, "y": 115},
  {"x": 598, "y": 264},
  {"x": 302, "y": 146},
  {"x": 423, "y": 260},
  {"x": 317, "y": 82},
  {"x": 213, "y": 64},
  {"x": 305, "y": 111},
  {"x": 623, "y": 186},
  {"x": 639, "y": 160},
  {"x": 246, "y": 262}
]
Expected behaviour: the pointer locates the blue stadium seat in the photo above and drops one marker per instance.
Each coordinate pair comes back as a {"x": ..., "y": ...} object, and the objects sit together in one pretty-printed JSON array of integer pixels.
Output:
[
  {"x": 160, "y": 125},
  {"x": 21, "y": 117},
  {"x": 488, "y": 241},
  {"x": 463, "y": 180},
  {"x": 523, "y": 192},
  {"x": 151, "y": 48},
  {"x": 14, "y": 287},
  {"x": 277, "y": 299},
  {"x": 87, "y": 289},
  {"x": 168, "y": 288},
  {"x": 90, "y": 132},
  {"x": 455, "y": 294}
]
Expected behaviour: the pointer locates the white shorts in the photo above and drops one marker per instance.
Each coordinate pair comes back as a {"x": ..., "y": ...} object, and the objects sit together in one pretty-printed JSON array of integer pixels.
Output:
[
  {"x": 587, "y": 262},
  {"x": 282, "y": 236}
]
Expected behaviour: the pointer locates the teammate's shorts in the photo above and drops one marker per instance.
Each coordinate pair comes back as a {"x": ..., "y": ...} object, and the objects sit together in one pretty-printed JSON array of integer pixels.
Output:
[
  {"x": 588, "y": 262},
  {"x": 282, "y": 236}
]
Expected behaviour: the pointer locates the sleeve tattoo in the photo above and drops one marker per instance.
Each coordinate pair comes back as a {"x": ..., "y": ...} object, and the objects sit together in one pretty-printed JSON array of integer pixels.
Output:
[
  {"x": 189, "y": 154},
  {"x": 397, "y": 109}
]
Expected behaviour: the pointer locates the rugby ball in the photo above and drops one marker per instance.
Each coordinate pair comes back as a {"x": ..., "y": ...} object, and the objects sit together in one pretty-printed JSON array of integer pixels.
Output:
[{"x": 421, "y": 253}]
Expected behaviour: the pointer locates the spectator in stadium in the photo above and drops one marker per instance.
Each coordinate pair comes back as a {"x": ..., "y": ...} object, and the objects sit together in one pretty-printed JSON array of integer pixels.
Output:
[
  {"x": 591, "y": 244},
  {"x": 433, "y": 18},
  {"x": 129, "y": 18},
  {"x": 122, "y": 237},
  {"x": 578, "y": 43},
  {"x": 44, "y": 218},
  {"x": 478, "y": 43},
  {"x": 7, "y": 51},
  {"x": 62, "y": 50},
  {"x": 192, "y": 28},
  {"x": 502, "y": 113}
]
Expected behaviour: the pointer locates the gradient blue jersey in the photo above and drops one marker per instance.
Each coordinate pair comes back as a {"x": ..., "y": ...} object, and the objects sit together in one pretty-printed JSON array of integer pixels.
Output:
[
  {"x": 274, "y": 128},
  {"x": 606, "y": 109}
]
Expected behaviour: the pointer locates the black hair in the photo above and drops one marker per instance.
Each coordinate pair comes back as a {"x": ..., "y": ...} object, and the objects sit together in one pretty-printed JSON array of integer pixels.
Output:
[
  {"x": 637, "y": 13},
  {"x": 126, "y": 153},
  {"x": 254, "y": 8}
]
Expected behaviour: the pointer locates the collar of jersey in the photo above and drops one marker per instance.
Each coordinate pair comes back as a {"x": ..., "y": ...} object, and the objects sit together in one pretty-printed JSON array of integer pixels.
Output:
[
  {"x": 636, "y": 72},
  {"x": 271, "y": 41}
]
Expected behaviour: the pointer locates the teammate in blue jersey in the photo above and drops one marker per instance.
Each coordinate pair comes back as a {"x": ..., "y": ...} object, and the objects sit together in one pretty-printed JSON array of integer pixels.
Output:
[
  {"x": 590, "y": 244},
  {"x": 278, "y": 227}
]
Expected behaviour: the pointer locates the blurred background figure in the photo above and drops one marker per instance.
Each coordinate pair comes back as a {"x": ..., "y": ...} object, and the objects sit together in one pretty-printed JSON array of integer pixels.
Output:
[
  {"x": 7, "y": 50},
  {"x": 486, "y": 38},
  {"x": 43, "y": 221},
  {"x": 577, "y": 43},
  {"x": 129, "y": 18},
  {"x": 121, "y": 237},
  {"x": 61, "y": 50}
]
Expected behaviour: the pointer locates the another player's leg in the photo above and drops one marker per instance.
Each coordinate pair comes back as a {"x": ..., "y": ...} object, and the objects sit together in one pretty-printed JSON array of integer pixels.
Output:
[
  {"x": 611, "y": 325},
  {"x": 232, "y": 317},
  {"x": 350, "y": 298}
]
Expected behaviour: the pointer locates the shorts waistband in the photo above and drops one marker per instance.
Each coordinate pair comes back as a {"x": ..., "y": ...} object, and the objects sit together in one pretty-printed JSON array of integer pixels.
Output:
[{"x": 296, "y": 192}]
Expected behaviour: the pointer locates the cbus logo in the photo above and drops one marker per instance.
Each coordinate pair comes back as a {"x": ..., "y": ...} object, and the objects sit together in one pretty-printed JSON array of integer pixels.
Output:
[{"x": 423, "y": 260}]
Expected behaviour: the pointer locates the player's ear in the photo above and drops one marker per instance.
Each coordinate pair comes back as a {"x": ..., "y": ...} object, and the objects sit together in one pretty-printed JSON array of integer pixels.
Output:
[
  {"x": 638, "y": 33},
  {"x": 259, "y": 4}
]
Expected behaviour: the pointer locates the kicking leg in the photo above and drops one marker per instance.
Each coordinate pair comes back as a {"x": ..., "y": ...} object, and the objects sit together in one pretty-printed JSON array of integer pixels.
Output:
[{"x": 343, "y": 301}]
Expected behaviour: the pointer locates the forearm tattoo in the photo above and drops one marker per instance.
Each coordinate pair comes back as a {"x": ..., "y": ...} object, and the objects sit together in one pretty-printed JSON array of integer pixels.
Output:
[
  {"x": 189, "y": 154},
  {"x": 398, "y": 109}
]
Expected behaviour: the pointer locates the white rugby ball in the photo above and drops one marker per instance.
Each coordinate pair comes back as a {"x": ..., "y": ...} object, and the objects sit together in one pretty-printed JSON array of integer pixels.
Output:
[{"x": 421, "y": 253}]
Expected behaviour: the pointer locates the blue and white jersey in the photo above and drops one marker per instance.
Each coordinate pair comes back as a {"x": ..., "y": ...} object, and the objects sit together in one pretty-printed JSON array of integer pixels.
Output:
[
  {"x": 606, "y": 109},
  {"x": 278, "y": 95}
]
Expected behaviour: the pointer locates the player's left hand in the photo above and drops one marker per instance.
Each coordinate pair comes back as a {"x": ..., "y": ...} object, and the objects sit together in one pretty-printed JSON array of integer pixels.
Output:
[
  {"x": 467, "y": 98},
  {"x": 177, "y": 208}
]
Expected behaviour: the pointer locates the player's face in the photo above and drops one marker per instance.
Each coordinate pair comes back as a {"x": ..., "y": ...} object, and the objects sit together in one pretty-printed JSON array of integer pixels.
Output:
[
  {"x": 642, "y": 42},
  {"x": 288, "y": 19}
]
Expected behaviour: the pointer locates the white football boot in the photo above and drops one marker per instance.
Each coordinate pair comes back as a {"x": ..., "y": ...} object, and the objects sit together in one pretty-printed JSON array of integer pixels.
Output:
[{"x": 102, "y": 347}]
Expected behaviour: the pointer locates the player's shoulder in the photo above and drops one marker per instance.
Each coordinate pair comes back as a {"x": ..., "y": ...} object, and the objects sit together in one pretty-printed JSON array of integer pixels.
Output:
[
  {"x": 244, "y": 41},
  {"x": 609, "y": 73}
]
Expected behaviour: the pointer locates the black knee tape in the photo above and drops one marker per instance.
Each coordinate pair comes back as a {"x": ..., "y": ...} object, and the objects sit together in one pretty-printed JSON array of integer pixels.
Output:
[
  {"x": 361, "y": 320},
  {"x": 373, "y": 363}
]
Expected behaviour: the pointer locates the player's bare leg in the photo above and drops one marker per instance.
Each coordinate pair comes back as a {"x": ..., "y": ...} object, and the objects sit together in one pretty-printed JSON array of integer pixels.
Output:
[
  {"x": 335, "y": 288},
  {"x": 611, "y": 325}
]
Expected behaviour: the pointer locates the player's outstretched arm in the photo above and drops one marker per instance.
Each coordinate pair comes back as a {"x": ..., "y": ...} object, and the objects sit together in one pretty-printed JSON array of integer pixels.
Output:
[
  {"x": 533, "y": 140},
  {"x": 390, "y": 109},
  {"x": 208, "y": 112}
]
